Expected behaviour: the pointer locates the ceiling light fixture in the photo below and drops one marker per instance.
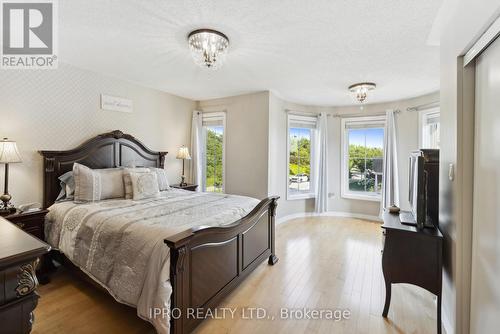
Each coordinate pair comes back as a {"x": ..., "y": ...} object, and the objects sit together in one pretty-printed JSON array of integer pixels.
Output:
[
  {"x": 208, "y": 47},
  {"x": 361, "y": 90}
]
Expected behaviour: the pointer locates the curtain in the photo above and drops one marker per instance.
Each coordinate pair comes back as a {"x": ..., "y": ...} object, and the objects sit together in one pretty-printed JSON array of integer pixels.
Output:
[
  {"x": 390, "y": 186},
  {"x": 197, "y": 151},
  {"x": 321, "y": 203}
]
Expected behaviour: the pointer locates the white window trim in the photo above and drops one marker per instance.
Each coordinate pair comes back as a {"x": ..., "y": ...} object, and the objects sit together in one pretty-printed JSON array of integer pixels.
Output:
[
  {"x": 312, "y": 192},
  {"x": 421, "y": 116},
  {"x": 223, "y": 115},
  {"x": 344, "y": 192}
]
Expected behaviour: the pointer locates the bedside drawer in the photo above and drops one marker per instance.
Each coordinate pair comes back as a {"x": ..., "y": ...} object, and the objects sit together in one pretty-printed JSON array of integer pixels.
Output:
[{"x": 30, "y": 223}]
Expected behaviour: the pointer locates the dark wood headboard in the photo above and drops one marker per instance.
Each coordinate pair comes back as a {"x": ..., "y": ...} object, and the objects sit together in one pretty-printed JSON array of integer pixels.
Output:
[{"x": 107, "y": 150}]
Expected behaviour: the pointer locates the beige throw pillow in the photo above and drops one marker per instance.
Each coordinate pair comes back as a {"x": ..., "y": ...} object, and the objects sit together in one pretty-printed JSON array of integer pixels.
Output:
[
  {"x": 111, "y": 183},
  {"x": 127, "y": 182},
  {"x": 97, "y": 184},
  {"x": 87, "y": 184},
  {"x": 144, "y": 185}
]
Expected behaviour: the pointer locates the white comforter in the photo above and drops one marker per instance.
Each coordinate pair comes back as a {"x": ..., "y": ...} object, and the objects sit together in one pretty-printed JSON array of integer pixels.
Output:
[{"x": 120, "y": 243}]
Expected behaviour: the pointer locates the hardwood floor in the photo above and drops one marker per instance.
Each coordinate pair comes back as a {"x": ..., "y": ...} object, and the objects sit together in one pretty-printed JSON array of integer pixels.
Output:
[{"x": 325, "y": 263}]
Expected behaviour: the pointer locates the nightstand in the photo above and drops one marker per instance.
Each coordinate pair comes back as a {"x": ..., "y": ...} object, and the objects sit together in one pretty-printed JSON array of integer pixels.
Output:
[
  {"x": 34, "y": 224},
  {"x": 30, "y": 222},
  {"x": 190, "y": 187}
]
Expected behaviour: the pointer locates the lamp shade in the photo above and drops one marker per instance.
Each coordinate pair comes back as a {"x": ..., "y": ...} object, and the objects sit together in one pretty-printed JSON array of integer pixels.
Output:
[
  {"x": 8, "y": 152},
  {"x": 183, "y": 153}
]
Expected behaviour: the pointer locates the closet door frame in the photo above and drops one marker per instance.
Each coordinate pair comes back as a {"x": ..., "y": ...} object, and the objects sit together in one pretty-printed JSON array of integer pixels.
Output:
[{"x": 463, "y": 173}]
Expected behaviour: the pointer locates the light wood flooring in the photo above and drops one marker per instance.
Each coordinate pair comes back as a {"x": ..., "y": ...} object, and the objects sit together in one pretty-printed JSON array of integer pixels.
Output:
[{"x": 325, "y": 263}]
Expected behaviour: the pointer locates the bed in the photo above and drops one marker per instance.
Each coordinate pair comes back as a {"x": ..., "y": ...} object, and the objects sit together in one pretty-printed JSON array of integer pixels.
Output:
[{"x": 179, "y": 252}]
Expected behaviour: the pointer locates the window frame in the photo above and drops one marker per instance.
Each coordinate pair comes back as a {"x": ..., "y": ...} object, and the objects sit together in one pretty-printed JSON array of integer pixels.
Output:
[
  {"x": 344, "y": 188},
  {"x": 312, "y": 176},
  {"x": 422, "y": 114},
  {"x": 214, "y": 114}
]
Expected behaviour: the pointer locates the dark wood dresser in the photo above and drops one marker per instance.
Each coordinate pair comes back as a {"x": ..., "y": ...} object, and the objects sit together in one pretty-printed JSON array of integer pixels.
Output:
[
  {"x": 412, "y": 256},
  {"x": 19, "y": 257}
]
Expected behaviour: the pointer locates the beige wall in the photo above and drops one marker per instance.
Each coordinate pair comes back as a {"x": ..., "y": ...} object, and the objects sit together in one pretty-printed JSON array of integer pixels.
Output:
[
  {"x": 467, "y": 20},
  {"x": 407, "y": 127},
  {"x": 59, "y": 109},
  {"x": 247, "y": 129}
]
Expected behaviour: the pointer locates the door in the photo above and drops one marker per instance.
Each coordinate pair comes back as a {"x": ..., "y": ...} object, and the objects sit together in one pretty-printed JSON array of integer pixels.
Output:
[{"x": 485, "y": 284}]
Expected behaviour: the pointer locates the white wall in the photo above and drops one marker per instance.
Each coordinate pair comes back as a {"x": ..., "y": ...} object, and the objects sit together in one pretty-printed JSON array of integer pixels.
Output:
[
  {"x": 59, "y": 109},
  {"x": 407, "y": 127},
  {"x": 247, "y": 128},
  {"x": 467, "y": 20}
]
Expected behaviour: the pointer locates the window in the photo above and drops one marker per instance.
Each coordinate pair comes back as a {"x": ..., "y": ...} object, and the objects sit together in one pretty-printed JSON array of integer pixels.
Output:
[
  {"x": 363, "y": 157},
  {"x": 429, "y": 125},
  {"x": 214, "y": 125},
  {"x": 300, "y": 153}
]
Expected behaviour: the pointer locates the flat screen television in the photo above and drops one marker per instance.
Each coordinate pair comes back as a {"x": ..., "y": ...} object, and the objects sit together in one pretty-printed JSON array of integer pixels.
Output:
[
  {"x": 423, "y": 189},
  {"x": 416, "y": 195}
]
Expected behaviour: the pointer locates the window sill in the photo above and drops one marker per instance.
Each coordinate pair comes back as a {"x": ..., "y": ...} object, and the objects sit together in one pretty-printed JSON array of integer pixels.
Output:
[
  {"x": 373, "y": 198},
  {"x": 300, "y": 196}
]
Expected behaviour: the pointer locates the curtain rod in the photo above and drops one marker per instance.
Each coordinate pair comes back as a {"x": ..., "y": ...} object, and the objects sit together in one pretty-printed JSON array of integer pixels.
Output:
[
  {"x": 305, "y": 113},
  {"x": 429, "y": 105},
  {"x": 316, "y": 114},
  {"x": 210, "y": 112},
  {"x": 397, "y": 111}
]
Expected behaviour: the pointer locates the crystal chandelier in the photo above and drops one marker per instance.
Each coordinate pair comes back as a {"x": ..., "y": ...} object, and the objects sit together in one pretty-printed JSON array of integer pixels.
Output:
[
  {"x": 208, "y": 47},
  {"x": 361, "y": 90}
]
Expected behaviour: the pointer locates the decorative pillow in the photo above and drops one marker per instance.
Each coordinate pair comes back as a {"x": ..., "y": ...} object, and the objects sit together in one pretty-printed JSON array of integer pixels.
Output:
[
  {"x": 162, "y": 178},
  {"x": 127, "y": 182},
  {"x": 97, "y": 184},
  {"x": 111, "y": 183},
  {"x": 144, "y": 185},
  {"x": 87, "y": 184},
  {"x": 67, "y": 182}
]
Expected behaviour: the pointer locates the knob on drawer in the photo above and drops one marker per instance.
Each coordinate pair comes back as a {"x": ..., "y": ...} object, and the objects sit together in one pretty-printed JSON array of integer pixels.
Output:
[{"x": 21, "y": 225}]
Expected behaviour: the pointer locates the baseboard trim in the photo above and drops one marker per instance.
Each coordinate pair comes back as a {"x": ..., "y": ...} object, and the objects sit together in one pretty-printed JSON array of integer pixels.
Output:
[{"x": 286, "y": 218}]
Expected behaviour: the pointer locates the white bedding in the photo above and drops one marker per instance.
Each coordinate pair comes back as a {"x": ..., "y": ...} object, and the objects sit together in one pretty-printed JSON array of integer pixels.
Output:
[{"x": 120, "y": 243}]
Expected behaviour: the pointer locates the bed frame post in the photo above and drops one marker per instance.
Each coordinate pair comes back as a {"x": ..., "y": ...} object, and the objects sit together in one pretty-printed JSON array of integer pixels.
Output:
[{"x": 272, "y": 225}]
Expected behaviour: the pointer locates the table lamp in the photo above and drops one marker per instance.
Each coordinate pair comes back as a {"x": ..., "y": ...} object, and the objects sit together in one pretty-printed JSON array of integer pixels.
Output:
[
  {"x": 183, "y": 154},
  {"x": 8, "y": 155}
]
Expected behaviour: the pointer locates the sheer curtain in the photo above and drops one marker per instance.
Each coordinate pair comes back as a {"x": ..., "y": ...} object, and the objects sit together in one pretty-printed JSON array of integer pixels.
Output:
[
  {"x": 390, "y": 186},
  {"x": 197, "y": 148},
  {"x": 321, "y": 203}
]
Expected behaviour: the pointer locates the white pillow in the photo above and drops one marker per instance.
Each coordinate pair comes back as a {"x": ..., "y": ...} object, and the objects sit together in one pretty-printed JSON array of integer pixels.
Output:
[
  {"x": 129, "y": 193},
  {"x": 162, "y": 178},
  {"x": 144, "y": 185}
]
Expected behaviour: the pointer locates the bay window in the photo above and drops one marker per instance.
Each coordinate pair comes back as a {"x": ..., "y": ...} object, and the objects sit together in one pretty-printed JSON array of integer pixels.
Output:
[
  {"x": 363, "y": 157},
  {"x": 301, "y": 135},
  {"x": 214, "y": 125}
]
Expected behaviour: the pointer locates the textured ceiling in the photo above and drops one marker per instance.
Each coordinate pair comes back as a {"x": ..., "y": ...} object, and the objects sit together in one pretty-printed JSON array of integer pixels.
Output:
[{"x": 304, "y": 51}]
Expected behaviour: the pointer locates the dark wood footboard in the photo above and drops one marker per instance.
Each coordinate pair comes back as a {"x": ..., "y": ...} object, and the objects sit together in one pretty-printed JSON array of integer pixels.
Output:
[{"x": 207, "y": 263}]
